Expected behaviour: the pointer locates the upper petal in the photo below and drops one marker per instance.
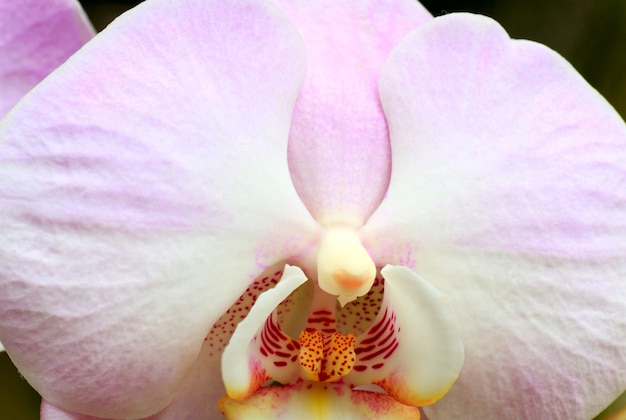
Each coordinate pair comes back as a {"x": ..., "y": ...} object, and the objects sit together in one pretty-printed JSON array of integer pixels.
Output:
[
  {"x": 339, "y": 154},
  {"x": 35, "y": 38},
  {"x": 143, "y": 186},
  {"x": 508, "y": 193}
]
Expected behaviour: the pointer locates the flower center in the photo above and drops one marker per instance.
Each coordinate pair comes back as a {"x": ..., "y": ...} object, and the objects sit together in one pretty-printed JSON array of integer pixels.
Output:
[{"x": 400, "y": 335}]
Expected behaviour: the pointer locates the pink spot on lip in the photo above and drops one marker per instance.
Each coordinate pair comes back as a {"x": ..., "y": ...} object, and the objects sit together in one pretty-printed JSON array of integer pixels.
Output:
[
  {"x": 364, "y": 349},
  {"x": 375, "y": 338},
  {"x": 391, "y": 346},
  {"x": 390, "y": 335},
  {"x": 386, "y": 356},
  {"x": 321, "y": 320}
]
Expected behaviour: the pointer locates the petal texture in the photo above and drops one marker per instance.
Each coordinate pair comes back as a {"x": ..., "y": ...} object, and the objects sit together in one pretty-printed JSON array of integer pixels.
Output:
[
  {"x": 143, "y": 188},
  {"x": 339, "y": 154},
  {"x": 35, "y": 38},
  {"x": 508, "y": 194}
]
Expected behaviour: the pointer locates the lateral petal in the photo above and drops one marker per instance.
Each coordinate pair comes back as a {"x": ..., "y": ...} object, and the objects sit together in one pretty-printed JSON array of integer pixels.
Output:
[
  {"x": 143, "y": 188},
  {"x": 508, "y": 194}
]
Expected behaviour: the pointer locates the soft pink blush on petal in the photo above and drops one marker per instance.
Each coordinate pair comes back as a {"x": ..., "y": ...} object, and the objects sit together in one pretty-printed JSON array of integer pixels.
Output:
[
  {"x": 143, "y": 188},
  {"x": 339, "y": 154},
  {"x": 196, "y": 399},
  {"x": 508, "y": 194},
  {"x": 35, "y": 38}
]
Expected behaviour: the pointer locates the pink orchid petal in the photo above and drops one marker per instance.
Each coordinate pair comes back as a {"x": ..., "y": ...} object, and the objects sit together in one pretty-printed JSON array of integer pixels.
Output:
[
  {"x": 339, "y": 154},
  {"x": 35, "y": 38},
  {"x": 508, "y": 194},
  {"x": 142, "y": 189}
]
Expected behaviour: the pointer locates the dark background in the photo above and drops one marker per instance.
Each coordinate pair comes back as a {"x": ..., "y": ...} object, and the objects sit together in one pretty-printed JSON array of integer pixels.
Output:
[{"x": 591, "y": 34}]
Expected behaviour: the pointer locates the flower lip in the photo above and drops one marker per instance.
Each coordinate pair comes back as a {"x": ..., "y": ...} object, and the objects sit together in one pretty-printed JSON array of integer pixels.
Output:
[{"x": 412, "y": 350}]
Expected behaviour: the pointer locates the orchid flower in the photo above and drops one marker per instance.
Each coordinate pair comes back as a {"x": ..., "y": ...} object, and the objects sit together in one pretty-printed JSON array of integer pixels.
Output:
[
  {"x": 35, "y": 38},
  {"x": 213, "y": 196}
]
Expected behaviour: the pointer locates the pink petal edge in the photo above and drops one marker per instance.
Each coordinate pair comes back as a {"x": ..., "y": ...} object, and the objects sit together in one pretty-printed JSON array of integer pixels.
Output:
[{"x": 35, "y": 38}]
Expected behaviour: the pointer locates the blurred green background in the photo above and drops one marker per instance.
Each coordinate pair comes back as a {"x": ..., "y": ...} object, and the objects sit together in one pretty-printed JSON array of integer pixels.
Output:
[{"x": 591, "y": 34}]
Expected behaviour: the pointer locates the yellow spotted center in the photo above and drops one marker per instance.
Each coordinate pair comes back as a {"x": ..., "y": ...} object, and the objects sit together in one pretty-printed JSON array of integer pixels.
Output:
[{"x": 326, "y": 357}]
